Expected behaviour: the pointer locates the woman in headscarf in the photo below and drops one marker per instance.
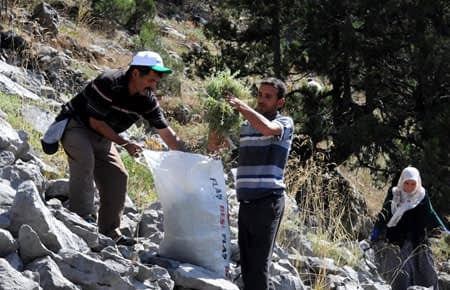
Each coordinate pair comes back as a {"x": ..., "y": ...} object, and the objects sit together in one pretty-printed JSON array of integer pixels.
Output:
[{"x": 406, "y": 219}]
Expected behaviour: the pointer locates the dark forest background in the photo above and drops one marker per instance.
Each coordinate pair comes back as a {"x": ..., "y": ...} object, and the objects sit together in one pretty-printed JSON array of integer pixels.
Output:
[{"x": 386, "y": 67}]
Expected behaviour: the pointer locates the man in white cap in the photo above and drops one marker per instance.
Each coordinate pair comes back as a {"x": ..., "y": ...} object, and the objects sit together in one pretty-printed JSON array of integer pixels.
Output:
[{"x": 107, "y": 106}]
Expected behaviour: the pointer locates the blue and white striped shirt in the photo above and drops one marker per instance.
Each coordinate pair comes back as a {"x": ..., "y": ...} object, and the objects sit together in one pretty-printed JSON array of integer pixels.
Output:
[{"x": 262, "y": 160}]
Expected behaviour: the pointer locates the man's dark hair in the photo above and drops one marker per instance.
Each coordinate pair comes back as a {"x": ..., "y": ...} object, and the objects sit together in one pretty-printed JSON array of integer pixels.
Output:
[
  {"x": 143, "y": 70},
  {"x": 278, "y": 84}
]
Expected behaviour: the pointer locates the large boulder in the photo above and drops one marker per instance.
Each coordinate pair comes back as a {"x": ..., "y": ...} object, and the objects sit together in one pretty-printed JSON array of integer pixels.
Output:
[
  {"x": 53, "y": 233},
  {"x": 12, "y": 279}
]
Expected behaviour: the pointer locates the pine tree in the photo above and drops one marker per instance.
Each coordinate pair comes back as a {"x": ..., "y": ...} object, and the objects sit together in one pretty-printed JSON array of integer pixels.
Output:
[{"x": 388, "y": 68}]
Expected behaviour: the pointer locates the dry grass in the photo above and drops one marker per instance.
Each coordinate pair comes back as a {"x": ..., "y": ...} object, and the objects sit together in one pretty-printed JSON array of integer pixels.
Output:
[
  {"x": 194, "y": 135},
  {"x": 320, "y": 218},
  {"x": 74, "y": 36},
  {"x": 321, "y": 213},
  {"x": 321, "y": 280},
  {"x": 84, "y": 37},
  {"x": 321, "y": 203},
  {"x": 364, "y": 183},
  {"x": 440, "y": 247},
  {"x": 179, "y": 45}
]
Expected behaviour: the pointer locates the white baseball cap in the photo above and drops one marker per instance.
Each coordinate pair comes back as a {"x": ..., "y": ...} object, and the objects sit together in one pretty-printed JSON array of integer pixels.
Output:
[{"x": 151, "y": 59}]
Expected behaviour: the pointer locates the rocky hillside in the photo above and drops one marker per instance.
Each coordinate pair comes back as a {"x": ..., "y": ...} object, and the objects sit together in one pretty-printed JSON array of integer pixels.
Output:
[{"x": 47, "y": 56}]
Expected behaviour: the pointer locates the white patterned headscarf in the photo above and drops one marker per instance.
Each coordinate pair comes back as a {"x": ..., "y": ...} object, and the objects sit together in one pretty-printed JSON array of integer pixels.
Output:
[{"x": 403, "y": 201}]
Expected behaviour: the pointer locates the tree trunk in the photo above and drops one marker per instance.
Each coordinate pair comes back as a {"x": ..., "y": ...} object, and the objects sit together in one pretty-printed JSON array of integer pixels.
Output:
[{"x": 276, "y": 42}]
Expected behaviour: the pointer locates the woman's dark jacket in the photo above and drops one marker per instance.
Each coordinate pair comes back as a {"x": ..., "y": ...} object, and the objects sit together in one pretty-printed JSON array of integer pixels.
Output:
[{"x": 415, "y": 224}]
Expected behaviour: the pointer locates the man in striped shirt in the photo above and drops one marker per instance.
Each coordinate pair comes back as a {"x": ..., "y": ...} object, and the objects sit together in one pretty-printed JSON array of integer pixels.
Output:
[
  {"x": 107, "y": 106},
  {"x": 265, "y": 141}
]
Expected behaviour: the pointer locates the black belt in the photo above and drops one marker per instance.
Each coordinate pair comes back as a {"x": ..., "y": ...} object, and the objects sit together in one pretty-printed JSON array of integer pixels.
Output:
[{"x": 257, "y": 200}]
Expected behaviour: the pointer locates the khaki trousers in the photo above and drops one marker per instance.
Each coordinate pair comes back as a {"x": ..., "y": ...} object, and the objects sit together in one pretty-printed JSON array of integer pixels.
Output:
[{"x": 93, "y": 158}]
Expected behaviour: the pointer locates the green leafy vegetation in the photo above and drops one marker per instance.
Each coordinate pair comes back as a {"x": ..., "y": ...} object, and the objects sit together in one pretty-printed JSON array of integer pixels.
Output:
[
  {"x": 220, "y": 115},
  {"x": 12, "y": 105},
  {"x": 147, "y": 37},
  {"x": 141, "y": 188},
  {"x": 133, "y": 14}
]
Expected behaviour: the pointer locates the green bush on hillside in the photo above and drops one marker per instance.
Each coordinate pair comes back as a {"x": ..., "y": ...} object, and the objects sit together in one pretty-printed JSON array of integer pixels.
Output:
[{"x": 131, "y": 13}]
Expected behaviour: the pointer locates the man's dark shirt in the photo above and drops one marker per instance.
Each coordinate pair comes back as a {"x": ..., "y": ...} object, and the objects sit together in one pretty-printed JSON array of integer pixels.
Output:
[{"x": 107, "y": 99}]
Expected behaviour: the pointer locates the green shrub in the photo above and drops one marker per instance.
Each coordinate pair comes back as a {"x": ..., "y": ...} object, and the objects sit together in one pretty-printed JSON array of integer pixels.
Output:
[
  {"x": 148, "y": 36},
  {"x": 220, "y": 115},
  {"x": 120, "y": 10},
  {"x": 131, "y": 13}
]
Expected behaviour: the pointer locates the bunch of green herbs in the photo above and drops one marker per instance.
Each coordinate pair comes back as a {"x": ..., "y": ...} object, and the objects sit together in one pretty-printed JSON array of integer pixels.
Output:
[{"x": 221, "y": 117}]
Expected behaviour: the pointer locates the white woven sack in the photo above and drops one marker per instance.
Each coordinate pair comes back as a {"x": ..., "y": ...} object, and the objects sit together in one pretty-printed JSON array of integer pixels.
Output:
[{"x": 191, "y": 189}]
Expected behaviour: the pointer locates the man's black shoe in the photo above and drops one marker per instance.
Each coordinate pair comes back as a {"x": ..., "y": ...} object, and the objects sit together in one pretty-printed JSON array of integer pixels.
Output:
[{"x": 125, "y": 241}]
